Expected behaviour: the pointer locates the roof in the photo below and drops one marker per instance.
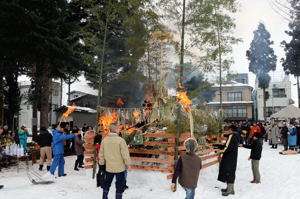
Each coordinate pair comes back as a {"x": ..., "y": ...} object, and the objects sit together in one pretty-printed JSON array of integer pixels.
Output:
[
  {"x": 78, "y": 109},
  {"x": 288, "y": 112},
  {"x": 82, "y": 96},
  {"x": 230, "y": 102},
  {"x": 232, "y": 84},
  {"x": 74, "y": 91}
]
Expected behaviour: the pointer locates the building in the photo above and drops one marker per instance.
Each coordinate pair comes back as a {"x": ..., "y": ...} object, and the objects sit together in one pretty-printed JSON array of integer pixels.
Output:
[
  {"x": 241, "y": 78},
  {"x": 84, "y": 100},
  {"x": 237, "y": 101},
  {"x": 25, "y": 114},
  {"x": 279, "y": 97},
  {"x": 76, "y": 94},
  {"x": 81, "y": 115}
]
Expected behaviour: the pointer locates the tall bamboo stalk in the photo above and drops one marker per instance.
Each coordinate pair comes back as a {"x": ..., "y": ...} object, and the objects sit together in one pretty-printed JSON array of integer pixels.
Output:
[{"x": 178, "y": 121}]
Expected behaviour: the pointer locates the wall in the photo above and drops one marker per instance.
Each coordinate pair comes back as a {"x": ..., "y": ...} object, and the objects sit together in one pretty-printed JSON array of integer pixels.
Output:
[{"x": 273, "y": 101}]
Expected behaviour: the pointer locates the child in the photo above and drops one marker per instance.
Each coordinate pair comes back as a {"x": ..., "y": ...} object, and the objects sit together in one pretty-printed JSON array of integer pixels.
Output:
[
  {"x": 79, "y": 151},
  {"x": 188, "y": 169},
  {"x": 256, "y": 149}
]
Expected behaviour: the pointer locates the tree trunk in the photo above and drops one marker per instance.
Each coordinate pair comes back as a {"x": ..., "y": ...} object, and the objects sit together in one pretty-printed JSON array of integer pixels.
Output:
[
  {"x": 45, "y": 94},
  {"x": 61, "y": 91},
  {"x": 298, "y": 90},
  {"x": 35, "y": 93},
  {"x": 1, "y": 101},
  {"x": 69, "y": 90},
  {"x": 264, "y": 106}
]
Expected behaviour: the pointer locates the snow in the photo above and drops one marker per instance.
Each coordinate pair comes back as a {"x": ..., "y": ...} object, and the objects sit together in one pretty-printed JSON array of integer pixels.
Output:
[{"x": 280, "y": 179}]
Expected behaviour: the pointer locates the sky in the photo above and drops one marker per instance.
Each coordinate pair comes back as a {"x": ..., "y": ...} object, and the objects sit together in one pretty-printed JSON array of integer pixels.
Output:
[{"x": 250, "y": 13}]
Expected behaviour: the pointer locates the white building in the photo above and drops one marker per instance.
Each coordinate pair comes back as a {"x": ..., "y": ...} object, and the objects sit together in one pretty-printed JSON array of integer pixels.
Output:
[
  {"x": 279, "y": 93},
  {"x": 25, "y": 114}
]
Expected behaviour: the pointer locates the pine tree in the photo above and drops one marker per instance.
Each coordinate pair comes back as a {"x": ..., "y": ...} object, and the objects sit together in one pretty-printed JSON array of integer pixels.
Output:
[
  {"x": 262, "y": 59},
  {"x": 291, "y": 62}
]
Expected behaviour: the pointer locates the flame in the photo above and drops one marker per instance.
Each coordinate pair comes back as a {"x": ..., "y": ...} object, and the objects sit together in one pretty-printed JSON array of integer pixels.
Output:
[
  {"x": 136, "y": 113},
  {"x": 69, "y": 111},
  {"x": 120, "y": 102},
  {"x": 128, "y": 131},
  {"x": 106, "y": 119},
  {"x": 184, "y": 99}
]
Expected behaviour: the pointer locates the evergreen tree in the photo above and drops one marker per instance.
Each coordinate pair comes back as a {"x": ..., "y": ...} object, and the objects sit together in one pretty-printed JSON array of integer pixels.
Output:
[
  {"x": 291, "y": 62},
  {"x": 262, "y": 59}
]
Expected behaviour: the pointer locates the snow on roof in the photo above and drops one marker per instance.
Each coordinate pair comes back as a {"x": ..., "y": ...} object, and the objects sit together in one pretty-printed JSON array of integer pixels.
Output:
[
  {"x": 232, "y": 84},
  {"x": 231, "y": 102},
  {"x": 79, "y": 109}
]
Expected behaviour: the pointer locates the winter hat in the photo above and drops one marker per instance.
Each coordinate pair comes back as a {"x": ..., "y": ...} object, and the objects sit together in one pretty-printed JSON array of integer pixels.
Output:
[
  {"x": 258, "y": 135},
  {"x": 190, "y": 145}
]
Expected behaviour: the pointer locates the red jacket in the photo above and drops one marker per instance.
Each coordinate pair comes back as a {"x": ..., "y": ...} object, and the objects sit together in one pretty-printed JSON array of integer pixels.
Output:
[{"x": 255, "y": 129}]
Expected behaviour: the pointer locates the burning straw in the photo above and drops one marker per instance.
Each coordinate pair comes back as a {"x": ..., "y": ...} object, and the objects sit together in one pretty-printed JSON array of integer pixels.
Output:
[{"x": 185, "y": 102}]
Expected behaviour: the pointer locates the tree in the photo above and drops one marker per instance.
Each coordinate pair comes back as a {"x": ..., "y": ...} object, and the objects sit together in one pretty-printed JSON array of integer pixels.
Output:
[
  {"x": 118, "y": 42},
  {"x": 291, "y": 62},
  {"x": 262, "y": 59},
  {"x": 40, "y": 35}
]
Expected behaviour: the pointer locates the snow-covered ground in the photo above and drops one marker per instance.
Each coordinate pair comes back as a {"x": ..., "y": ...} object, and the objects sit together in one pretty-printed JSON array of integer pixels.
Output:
[{"x": 280, "y": 180}]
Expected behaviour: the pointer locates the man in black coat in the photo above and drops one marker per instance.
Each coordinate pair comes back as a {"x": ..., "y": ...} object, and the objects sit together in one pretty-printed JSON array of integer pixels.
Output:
[{"x": 229, "y": 161}]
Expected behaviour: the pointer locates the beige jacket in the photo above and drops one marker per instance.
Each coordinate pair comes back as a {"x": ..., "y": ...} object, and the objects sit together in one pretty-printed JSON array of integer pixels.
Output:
[{"x": 114, "y": 153}]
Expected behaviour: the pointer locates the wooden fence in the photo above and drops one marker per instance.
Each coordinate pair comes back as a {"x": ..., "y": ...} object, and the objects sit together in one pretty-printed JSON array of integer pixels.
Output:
[{"x": 157, "y": 152}]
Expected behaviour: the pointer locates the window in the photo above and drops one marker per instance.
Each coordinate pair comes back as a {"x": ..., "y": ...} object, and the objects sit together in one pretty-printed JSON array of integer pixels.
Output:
[
  {"x": 235, "y": 111},
  {"x": 272, "y": 110},
  {"x": 55, "y": 93},
  {"x": 55, "y": 106},
  {"x": 234, "y": 96},
  {"x": 28, "y": 107},
  {"x": 278, "y": 92}
]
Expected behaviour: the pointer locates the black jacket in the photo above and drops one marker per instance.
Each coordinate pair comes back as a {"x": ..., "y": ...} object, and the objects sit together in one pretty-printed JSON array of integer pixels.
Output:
[
  {"x": 229, "y": 160},
  {"x": 44, "y": 139},
  {"x": 284, "y": 132},
  {"x": 256, "y": 149}
]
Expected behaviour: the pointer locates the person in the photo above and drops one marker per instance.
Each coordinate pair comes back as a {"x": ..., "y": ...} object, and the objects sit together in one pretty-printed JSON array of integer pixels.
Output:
[
  {"x": 113, "y": 158},
  {"x": 274, "y": 135},
  {"x": 58, "y": 152},
  {"x": 292, "y": 137},
  {"x": 298, "y": 135},
  {"x": 23, "y": 135},
  {"x": 229, "y": 161},
  {"x": 254, "y": 129},
  {"x": 67, "y": 143},
  {"x": 1, "y": 132},
  {"x": 255, "y": 156},
  {"x": 84, "y": 128},
  {"x": 284, "y": 136},
  {"x": 188, "y": 169},
  {"x": 44, "y": 140},
  {"x": 78, "y": 144}
]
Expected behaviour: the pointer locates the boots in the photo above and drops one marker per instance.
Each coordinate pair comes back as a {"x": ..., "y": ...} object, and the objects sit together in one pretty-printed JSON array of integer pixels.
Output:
[
  {"x": 230, "y": 190},
  {"x": 76, "y": 166},
  {"x": 41, "y": 167},
  {"x": 119, "y": 195},
  {"x": 105, "y": 195},
  {"x": 125, "y": 186},
  {"x": 48, "y": 168}
]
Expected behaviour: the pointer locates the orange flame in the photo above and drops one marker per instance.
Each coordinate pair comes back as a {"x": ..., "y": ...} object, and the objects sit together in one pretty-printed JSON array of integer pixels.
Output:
[
  {"x": 128, "y": 131},
  {"x": 106, "y": 119},
  {"x": 69, "y": 111},
  {"x": 184, "y": 99},
  {"x": 136, "y": 113},
  {"x": 120, "y": 102}
]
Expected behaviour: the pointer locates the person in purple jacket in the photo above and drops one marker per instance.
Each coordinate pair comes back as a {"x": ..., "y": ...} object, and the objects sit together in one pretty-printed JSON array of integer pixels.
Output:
[{"x": 58, "y": 152}]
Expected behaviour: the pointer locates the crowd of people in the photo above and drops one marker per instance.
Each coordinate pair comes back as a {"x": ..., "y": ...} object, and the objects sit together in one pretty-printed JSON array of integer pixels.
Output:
[{"x": 114, "y": 158}]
